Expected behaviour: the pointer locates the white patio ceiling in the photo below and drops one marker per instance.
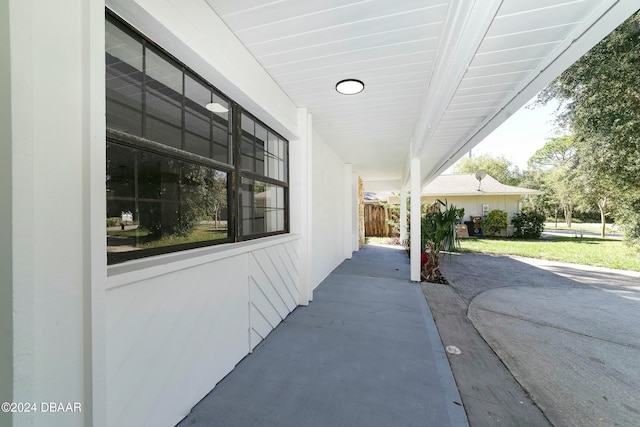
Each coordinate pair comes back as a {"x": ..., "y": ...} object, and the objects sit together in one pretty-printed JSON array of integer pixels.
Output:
[{"x": 440, "y": 75}]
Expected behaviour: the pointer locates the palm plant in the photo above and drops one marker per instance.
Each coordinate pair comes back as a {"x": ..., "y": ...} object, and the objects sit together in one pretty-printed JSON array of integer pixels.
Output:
[{"x": 438, "y": 233}]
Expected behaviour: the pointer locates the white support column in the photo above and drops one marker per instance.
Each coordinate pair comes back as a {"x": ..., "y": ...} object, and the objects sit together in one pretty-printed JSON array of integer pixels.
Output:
[
  {"x": 300, "y": 195},
  {"x": 403, "y": 215},
  {"x": 355, "y": 213},
  {"x": 58, "y": 264},
  {"x": 348, "y": 211},
  {"x": 415, "y": 249}
]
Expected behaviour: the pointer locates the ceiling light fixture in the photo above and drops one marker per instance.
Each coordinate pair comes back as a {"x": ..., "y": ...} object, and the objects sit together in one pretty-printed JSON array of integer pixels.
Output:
[
  {"x": 216, "y": 108},
  {"x": 349, "y": 86}
]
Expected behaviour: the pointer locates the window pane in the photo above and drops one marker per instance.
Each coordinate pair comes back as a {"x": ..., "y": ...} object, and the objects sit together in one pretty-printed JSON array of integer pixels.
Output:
[
  {"x": 272, "y": 157},
  {"x": 263, "y": 207},
  {"x": 247, "y": 153},
  {"x": 163, "y": 101},
  {"x": 123, "y": 58},
  {"x": 260, "y": 142},
  {"x": 197, "y": 117},
  {"x": 284, "y": 162},
  {"x": 221, "y": 139},
  {"x": 121, "y": 169},
  {"x": 248, "y": 125},
  {"x": 219, "y": 114},
  {"x": 163, "y": 74},
  {"x": 221, "y": 129},
  {"x": 154, "y": 201},
  {"x": 247, "y": 149}
]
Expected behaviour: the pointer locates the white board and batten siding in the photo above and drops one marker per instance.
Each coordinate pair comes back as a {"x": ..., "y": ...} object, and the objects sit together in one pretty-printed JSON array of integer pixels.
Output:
[
  {"x": 172, "y": 336},
  {"x": 273, "y": 289}
]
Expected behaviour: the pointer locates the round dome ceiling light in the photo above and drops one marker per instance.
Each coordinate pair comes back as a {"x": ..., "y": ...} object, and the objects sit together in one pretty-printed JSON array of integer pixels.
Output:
[{"x": 349, "y": 86}]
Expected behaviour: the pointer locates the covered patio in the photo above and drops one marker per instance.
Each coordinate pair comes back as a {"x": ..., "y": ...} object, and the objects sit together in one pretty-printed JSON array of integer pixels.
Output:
[
  {"x": 240, "y": 96},
  {"x": 365, "y": 353},
  {"x": 438, "y": 76}
]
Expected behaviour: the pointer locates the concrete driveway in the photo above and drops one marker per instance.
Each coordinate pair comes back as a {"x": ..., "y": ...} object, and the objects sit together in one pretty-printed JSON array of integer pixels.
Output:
[{"x": 569, "y": 334}]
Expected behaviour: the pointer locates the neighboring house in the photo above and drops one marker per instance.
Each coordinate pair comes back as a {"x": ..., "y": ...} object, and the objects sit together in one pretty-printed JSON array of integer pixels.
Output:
[{"x": 478, "y": 198}]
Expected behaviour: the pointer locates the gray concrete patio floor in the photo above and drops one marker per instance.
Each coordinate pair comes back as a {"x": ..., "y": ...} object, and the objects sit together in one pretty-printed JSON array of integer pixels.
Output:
[{"x": 365, "y": 352}]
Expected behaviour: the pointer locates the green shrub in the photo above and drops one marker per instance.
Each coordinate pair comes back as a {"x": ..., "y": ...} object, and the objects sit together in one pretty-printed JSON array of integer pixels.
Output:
[
  {"x": 495, "y": 222},
  {"x": 113, "y": 221},
  {"x": 528, "y": 224}
]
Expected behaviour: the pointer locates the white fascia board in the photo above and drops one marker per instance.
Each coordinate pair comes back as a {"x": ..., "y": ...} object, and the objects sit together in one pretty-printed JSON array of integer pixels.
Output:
[{"x": 191, "y": 31}]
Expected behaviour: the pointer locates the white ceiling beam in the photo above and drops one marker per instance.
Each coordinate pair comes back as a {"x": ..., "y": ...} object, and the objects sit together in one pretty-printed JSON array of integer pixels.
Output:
[{"x": 466, "y": 24}]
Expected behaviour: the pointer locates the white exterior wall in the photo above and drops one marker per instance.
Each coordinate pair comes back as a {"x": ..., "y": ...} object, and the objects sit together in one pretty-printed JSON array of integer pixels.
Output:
[
  {"x": 331, "y": 183},
  {"x": 137, "y": 343},
  {"x": 473, "y": 204},
  {"x": 355, "y": 213},
  {"x": 172, "y": 336},
  {"x": 54, "y": 127}
]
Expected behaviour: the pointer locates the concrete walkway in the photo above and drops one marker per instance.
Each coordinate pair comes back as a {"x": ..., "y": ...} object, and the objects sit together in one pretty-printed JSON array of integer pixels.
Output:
[{"x": 365, "y": 352}]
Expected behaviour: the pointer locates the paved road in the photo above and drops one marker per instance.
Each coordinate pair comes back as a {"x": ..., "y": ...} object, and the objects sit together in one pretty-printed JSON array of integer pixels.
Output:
[
  {"x": 569, "y": 334},
  {"x": 550, "y": 232}
]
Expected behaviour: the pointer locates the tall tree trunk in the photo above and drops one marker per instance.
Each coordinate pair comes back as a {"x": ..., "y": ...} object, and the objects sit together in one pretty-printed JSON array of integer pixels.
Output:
[
  {"x": 568, "y": 211},
  {"x": 603, "y": 217}
]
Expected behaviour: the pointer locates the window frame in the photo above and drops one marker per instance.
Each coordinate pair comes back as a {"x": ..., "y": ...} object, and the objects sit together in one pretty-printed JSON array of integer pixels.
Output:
[
  {"x": 235, "y": 173},
  {"x": 244, "y": 173}
]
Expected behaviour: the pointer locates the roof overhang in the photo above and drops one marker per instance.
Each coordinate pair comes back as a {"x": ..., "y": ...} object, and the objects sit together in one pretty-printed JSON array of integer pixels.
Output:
[
  {"x": 440, "y": 75},
  {"x": 438, "y": 148}
]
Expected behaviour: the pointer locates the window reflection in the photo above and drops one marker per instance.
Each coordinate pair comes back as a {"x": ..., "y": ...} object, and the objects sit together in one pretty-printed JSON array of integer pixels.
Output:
[
  {"x": 262, "y": 151},
  {"x": 263, "y": 207},
  {"x": 155, "y": 201},
  {"x": 150, "y": 96},
  {"x": 124, "y": 60}
]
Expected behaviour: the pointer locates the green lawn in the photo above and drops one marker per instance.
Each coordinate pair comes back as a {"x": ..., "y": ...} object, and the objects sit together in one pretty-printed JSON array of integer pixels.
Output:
[
  {"x": 588, "y": 251},
  {"x": 197, "y": 235}
]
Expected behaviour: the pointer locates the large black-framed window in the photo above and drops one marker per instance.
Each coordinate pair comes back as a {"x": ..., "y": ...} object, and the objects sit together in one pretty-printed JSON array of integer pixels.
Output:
[{"x": 186, "y": 166}]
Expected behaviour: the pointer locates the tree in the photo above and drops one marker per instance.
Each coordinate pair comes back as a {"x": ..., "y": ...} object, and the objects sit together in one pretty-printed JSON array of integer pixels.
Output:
[
  {"x": 545, "y": 202},
  {"x": 557, "y": 152},
  {"x": 600, "y": 103},
  {"x": 596, "y": 188},
  {"x": 499, "y": 167},
  {"x": 555, "y": 162}
]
